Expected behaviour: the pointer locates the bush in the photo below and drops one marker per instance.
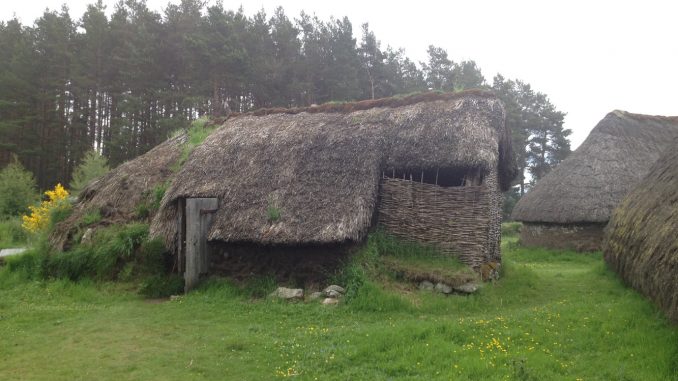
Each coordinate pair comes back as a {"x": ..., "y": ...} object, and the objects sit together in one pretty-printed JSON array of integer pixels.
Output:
[
  {"x": 93, "y": 166},
  {"x": 17, "y": 190},
  {"x": 11, "y": 233},
  {"x": 511, "y": 229},
  {"x": 49, "y": 212}
]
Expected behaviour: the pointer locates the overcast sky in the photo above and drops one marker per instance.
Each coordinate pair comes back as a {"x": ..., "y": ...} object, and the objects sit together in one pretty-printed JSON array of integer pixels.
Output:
[{"x": 590, "y": 57}]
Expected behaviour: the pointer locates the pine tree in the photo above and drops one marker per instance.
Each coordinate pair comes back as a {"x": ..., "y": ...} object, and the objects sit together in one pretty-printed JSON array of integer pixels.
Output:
[
  {"x": 93, "y": 166},
  {"x": 18, "y": 189}
]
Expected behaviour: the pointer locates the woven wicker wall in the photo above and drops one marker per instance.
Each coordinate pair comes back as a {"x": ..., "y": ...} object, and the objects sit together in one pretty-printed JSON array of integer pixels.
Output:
[{"x": 461, "y": 221}]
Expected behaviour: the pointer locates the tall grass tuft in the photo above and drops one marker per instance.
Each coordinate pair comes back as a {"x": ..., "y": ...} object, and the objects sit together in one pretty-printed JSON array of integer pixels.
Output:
[{"x": 197, "y": 133}]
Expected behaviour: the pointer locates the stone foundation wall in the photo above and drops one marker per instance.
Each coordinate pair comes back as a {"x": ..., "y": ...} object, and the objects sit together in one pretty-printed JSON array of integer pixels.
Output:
[{"x": 577, "y": 237}]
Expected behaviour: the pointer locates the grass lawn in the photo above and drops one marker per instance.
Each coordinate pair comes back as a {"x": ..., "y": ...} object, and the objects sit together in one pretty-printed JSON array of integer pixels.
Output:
[{"x": 552, "y": 316}]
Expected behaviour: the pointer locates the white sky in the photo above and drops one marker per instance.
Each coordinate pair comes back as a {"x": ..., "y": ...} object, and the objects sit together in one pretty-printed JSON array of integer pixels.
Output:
[{"x": 590, "y": 57}]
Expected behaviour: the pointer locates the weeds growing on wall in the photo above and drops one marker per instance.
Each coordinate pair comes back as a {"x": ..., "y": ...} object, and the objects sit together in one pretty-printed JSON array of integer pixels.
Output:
[
  {"x": 151, "y": 201},
  {"x": 91, "y": 217},
  {"x": 199, "y": 130}
]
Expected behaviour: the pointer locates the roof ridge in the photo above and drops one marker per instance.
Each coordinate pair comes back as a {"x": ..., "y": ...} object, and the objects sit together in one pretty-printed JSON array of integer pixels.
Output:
[{"x": 348, "y": 107}]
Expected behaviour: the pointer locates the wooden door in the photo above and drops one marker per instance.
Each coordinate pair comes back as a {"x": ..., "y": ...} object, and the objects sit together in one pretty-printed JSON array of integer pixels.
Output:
[{"x": 199, "y": 214}]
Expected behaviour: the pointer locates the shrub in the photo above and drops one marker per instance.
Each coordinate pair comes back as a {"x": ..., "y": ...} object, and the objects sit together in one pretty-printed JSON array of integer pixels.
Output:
[
  {"x": 56, "y": 208},
  {"x": 11, "y": 233},
  {"x": 17, "y": 190},
  {"x": 93, "y": 165},
  {"x": 511, "y": 229}
]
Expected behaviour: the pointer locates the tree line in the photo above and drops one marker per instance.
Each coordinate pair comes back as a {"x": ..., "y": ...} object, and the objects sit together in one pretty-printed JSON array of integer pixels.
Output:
[{"x": 121, "y": 84}]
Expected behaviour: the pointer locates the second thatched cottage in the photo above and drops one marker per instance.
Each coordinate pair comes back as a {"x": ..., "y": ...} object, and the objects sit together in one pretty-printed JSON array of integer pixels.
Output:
[
  {"x": 429, "y": 168},
  {"x": 569, "y": 207}
]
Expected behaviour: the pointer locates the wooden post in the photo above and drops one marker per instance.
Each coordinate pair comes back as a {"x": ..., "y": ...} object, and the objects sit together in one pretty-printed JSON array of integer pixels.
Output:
[
  {"x": 181, "y": 237},
  {"x": 199, "y": 213}
]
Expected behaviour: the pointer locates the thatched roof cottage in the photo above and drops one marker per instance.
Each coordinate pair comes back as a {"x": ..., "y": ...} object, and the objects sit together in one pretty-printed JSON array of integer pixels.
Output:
[
  {"x": 641, "y": 240},
  {"x": 570, "y": 206},
  {"x": 429, "y": 168}
]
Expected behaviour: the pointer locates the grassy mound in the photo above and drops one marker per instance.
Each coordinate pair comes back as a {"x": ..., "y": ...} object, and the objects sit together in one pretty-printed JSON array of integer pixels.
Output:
[{"x": 114, "y": 253}]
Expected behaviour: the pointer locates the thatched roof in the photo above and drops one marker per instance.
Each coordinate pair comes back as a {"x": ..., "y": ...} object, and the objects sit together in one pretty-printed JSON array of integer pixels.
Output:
[
  {"x": 641, "y": 240},
  {"x": 321, "y": 170},
  {"x": 587, "y": 185},
  {"x": 118, "y": 193}
]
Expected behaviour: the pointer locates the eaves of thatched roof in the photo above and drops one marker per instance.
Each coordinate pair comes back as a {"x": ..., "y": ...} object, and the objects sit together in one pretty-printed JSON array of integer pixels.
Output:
[
  {"x": 587, "y": 185},
  {"x": 321, "y": 170}
]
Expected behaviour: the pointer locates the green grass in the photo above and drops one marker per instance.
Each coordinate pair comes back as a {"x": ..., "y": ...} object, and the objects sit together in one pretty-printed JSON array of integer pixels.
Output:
[
  {"x": 91, "y": 217},
  {"x": 11, "y": 233},
  {"x": 151, "y": 200},
  {"x": 197, "y": 133},
  {"x": 552, "y": 316}
]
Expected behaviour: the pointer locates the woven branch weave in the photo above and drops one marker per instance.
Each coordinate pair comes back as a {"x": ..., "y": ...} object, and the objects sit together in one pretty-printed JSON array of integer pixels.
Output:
[{"x": 460, "y": 221}]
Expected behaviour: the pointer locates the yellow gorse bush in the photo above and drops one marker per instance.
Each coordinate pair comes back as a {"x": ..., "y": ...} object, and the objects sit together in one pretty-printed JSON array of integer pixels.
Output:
[{"x": 38, "y": 219}]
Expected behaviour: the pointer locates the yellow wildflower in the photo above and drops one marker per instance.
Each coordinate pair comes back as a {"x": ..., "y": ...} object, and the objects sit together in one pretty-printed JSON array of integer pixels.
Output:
[{"x": 39, "y": 218}]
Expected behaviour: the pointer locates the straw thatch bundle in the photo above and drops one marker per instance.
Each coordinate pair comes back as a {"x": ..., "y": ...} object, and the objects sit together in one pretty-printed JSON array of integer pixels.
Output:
[
  {"x": 320, "y": 170},
  {"x": 117, "y": 194},
  {"x": 641, "y": 240},
  {"x": 585, "y": 187}
]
